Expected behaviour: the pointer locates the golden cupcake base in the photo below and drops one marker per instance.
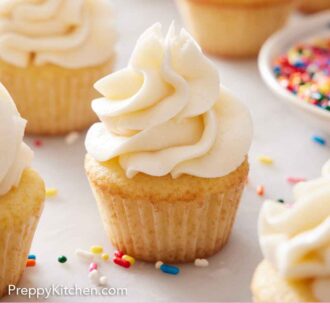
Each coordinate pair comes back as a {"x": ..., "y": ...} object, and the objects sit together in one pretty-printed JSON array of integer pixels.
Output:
[
  {"x": 20, "y": 210},
  {"x": 54, "y": 100},
  {"x": 268, "y": 287},
  {"x": 234, "y": 28},
  {"x": 160, "y": 218},
  {"x": 314, "y": 6}
]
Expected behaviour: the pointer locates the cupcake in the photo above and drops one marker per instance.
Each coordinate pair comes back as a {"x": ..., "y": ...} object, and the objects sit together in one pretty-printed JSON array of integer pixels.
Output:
[
  {"x": 168, "y": 161},
  {"x": 234, "y": 28},
  {"x": 51, "y": 53},
  {"x": 22, "y": 194},
  {"x": 308, "y": 6},
  {"x": 295, "y": 241}
]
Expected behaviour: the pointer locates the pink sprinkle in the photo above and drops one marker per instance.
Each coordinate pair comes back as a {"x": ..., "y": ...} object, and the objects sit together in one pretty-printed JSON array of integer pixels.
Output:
[
  {"x": 261, "y": 190},
  {"x": 38, "y": 143},
  {"x": 294, "y": 180},
  {"x": 93, "y": 266}
]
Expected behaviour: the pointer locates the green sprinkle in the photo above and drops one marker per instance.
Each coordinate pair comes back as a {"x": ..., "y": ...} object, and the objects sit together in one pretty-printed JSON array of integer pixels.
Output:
[
  {"x": 62, "y": 259},
  {"x": 280, "y": 200}
]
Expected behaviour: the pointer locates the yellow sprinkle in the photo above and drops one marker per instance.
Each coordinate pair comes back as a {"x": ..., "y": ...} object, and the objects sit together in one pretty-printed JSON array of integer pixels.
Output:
[
  {"x": 105, "y": 256},
  {"x": 265, "y": 160},
  {"x": 130, "y": 259},
  {"x": 96, "y": 249},
  {"x": 51, "y": 192}
]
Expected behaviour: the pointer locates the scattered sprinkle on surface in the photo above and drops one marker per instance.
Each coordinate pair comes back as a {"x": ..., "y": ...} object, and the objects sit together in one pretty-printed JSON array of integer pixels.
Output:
[
  {"x": 51, "y": 192},
  {"x": 266, "y": 160}
]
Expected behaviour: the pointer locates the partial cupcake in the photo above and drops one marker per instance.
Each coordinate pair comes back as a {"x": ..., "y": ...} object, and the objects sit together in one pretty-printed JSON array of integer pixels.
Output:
[
  {"x": 168, "y": 161},
  {"x": 295, "y": 241},
  {"x": 234, "y": 28},
  {"x": 313, "y": 6},
  {"x": 51, "y": 53},
  {"x": 22, "y": 194}
]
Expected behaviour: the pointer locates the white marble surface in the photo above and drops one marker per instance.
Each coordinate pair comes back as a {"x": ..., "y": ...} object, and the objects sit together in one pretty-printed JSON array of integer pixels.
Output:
[{"x": 71, "y": 220}]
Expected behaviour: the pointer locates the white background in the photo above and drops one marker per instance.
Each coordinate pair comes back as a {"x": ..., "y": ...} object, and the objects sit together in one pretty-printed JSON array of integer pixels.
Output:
[{"x": 71, "y": 220}]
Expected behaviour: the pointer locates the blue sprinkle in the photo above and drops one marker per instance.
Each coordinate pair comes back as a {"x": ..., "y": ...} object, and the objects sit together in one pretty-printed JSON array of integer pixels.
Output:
[
  {"x": 168, "y": 269},
  {"x": 277, "y": 70},
  {"x": 299, "y": 64},
  {"x": 319, "y": 139},
  {"x": 32, "y": 256}
]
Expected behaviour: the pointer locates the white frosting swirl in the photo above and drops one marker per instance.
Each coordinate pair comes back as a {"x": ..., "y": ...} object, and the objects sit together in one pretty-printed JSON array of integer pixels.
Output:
[
  {"x": 296, "y": 240},
  {"x": 68, "y": 33},
  {"x": 15, "y": 155},
  {"x": 163, "y": 114}
]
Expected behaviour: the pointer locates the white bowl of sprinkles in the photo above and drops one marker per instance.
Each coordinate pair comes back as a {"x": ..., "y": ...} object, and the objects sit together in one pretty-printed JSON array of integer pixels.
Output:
[{"x": 316, "y": 26}]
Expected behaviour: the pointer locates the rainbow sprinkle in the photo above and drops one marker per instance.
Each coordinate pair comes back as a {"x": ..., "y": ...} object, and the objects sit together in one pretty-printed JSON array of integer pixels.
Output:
[{"x": 305, "y": 72}]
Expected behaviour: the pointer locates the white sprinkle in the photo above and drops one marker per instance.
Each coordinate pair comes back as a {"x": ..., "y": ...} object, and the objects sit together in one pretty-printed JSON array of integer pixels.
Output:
[
  {"x": 201, "y": 263},
  {"x": 94, "y": 276},
  {"x": 72, "y": 137},
  {"x": 158, "y": 264},
  {"x": 84, "y": 255},
  {"x": 103, "y": 280}
]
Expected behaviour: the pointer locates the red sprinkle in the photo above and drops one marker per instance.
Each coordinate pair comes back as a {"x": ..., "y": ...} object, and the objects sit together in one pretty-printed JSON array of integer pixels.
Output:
[
  {"x": 38, "y": 143},
  {"x": 121, "y": 262},
  {"x": 119, "y": 254},
  {"x": 294, "y": 180},
  {"x": 30, "y": 263}
]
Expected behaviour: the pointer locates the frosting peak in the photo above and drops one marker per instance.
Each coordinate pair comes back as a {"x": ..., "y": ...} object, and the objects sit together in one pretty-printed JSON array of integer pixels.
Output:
[
  {"x": 163, "y": 114},
  {"x": 68, "y": 33},
  {"x": 296, "y": 240},
  {"x": 15, "y": 155}
]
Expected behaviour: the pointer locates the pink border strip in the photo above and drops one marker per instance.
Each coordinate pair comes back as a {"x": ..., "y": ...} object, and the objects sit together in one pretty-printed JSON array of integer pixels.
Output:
[{"x": 165, "y": 316}]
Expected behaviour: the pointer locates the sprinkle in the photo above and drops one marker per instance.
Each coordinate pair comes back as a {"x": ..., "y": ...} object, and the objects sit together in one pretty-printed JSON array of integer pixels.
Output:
[
  {"x": 280, "y": 200},
  {"x": 295, "y": 180},
  {"x": 96, "y": 249},
  {"x": 201, "y": 263},
  {"x": 30, "y": 263},
  {"x": 319, "y": 139},
  {"x": 62, "y": 259},
  {"x": 93, "y": 266},
  {"x": 51, "y": 192},
  {"x": 158, "y": 264},
  {"x": 121, "y": 262},
  {"x": 169, "y": 269},
  {"x": 261, "y": 190},
  {"x": 94, "y": 276},
  {"x": 119, "y": 254},
  {"x": 103, "y": 280},
  {"x": 84, "y": 254},
  {"x": 32, "y": 257},
  {"x": 266, "y": 160},
  {"x": 305, "y": 72},
  {"x": 130, "y": 259},
  {"x": 105, "y": 256},
  {"x": 38, "y": 143},
  {"x": 72, "y": 137}
]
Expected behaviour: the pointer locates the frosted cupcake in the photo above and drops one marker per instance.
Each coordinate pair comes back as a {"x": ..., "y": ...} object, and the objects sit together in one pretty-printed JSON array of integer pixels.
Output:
[
  {"x": 168, "y": 161},
  {"x": 51, "y": 52},
  {"x": 22, "y": 194},
  {"x": 296, "y": 245},
  {"x": 314, "y": 6},
  {"x": 234, "y": 28}
]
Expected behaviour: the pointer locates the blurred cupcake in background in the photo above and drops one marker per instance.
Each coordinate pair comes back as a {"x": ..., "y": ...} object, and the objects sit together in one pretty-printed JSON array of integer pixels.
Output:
[
  {"x": 22, "y": 194},
  {"x": 295, "y": 241},
  {"x": 313, "y": 6},
  {"x": 51, "y": 52},
  {"x": 234, "y": 28},
  {"x": 168, "y": 161}
]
